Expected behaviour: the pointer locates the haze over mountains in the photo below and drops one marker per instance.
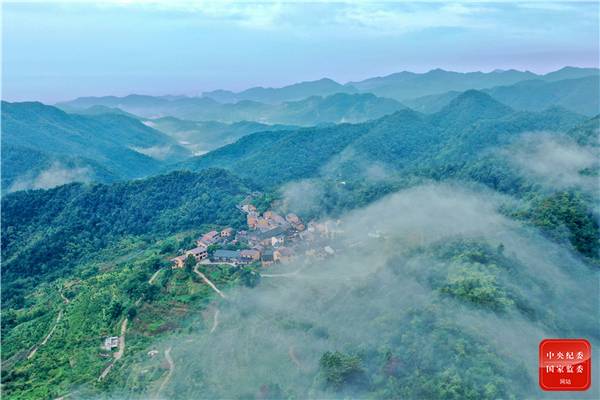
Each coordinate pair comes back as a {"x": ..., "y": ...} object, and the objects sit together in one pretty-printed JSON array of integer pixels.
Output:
[
  {"x": 325, "y": 101},
  {"x": 451, "y": 223},
  {"x": 458, "y": 133},
  {"x": 86, "y": 148},
  {"x": 313, "y": 110},
  {"x": 43, "y": 146},
  {"x": 577, "y": 94},
  {"x": 399, "y": 86}
]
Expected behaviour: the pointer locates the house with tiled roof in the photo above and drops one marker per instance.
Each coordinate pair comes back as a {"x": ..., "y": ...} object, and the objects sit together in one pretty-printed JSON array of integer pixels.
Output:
[
  {"x": 232, "y": 256},
  {"x": 250, "y": 255},
  {"x": 227, "y": 233},
  {"x": 282, "y": 254},
  {"x": 198, "y": 253},
  {"x": 267, "y": 257}
]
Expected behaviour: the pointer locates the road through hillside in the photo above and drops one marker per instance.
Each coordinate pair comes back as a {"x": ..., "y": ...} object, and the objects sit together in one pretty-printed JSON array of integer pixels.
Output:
[
  {"x": 171, "y": 369},
  {"x": 48, "y": 336},
  {"x": 119, "y": 353},
  {"x": 208, "y": 282}
]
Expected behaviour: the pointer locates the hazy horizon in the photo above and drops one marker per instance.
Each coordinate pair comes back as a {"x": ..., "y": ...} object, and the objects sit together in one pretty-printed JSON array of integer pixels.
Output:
[
  {"x": 55, "y": 51},
  {"x": 199, "y": 94}
]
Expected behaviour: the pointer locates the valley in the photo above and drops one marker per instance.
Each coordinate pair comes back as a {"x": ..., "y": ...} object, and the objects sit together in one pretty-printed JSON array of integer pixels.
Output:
[{"x": 342, "y": 246}]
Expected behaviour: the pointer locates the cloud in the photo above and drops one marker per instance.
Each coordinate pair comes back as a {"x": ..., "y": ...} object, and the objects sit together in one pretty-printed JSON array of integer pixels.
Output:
[
  {"x": 395, "y": 18},
  {"x": 555, "y": 161},
  {"x": 157, "y": 152},
  {"x": 370, "y": 16},
  {"x": 302, "y": 196},
  {"x": 56, "y": 175},
  {"x": 371, "y": 296}
]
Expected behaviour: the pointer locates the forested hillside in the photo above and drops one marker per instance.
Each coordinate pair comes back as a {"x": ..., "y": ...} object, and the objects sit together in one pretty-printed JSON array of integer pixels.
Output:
[
  {"x": 313, "y": 110},
  {"x": 436, "y": 249},
  {"x": 473, "y": 139},
  {"x": 60, "y": 147},
  {"x": 203, "y": 136},
  {"x": 46, "y": 233},
  {"x": 407, "y": 139},
  {"x": 579, "y": 94}
]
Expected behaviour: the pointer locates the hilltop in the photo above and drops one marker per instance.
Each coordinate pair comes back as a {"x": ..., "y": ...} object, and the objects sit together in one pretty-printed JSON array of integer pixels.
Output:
[
  {"x": 53, "y": 145},
  {"x": 406, "y": 139}
]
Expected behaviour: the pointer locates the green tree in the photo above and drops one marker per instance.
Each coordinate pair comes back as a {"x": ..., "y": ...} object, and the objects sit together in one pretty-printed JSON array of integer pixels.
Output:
[
  {"x": 189, "y": 264},
  {"x": 249, "y": 277},
  {"x": 339, "y": 369},
  {"x": 131, "y": 313}
]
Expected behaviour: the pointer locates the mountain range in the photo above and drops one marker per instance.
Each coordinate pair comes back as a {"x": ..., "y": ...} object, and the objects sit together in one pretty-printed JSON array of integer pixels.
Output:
[
  {"x": 110, "y": 138},
  {"x": 399, "y": 86},
  {"x": 577, "y": 94},
  {"x": 203, "y": 136},
  {"x": 325, "y": 101},
  {"x": 314, "y": 110},
  {"x": 436, "y": 246},
  {"x": 43, "y": 146},
  {"x": 466, "y": 126}
]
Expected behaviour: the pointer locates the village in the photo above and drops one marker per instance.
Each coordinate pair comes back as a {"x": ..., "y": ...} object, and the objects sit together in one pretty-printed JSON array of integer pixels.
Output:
[{"x": 270, "y": 238}]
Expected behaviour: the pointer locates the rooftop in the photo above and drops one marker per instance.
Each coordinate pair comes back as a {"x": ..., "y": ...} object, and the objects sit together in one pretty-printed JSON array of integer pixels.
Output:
[
  {"x": 196, "y": 251},
  {"x": 278, "y": 231},
  {"x": 226, "y": 254}
]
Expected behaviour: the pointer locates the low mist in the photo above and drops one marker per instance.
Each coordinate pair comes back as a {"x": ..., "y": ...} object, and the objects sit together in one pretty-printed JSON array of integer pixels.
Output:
[
  {"x": 384, "y": 294},
  {"x": 56, "y": 175},
  {"x": 556, "y": 161}
]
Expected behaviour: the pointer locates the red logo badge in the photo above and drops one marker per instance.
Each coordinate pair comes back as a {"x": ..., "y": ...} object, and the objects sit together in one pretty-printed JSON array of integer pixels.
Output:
[{"x": 565, "y": 364}]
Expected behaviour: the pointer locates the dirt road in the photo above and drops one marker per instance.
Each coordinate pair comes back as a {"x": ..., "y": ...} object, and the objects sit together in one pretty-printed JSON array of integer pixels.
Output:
[
  {"x": 171, "y": 369},
  {"x": 153, "y": 277},
  {"x": 65, "y": 300},
  {"x": 119, "y": 353},
  {"x": 287, "y": 274},
  {"x": 215, "y": 321},
  {"x": 208, "y": 282},
  {"x": 48, "y": 336}
]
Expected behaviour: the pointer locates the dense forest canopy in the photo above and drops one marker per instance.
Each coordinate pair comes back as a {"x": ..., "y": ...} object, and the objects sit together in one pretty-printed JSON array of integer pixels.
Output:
[
  {"x": 45, "y": 233},
  {"x": 441, "y": 243}
]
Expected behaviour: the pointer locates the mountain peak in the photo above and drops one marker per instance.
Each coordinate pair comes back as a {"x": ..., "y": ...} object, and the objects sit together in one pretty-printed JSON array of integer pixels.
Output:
[
  {"x": 478, "y": 99},
  {"x": 471, "y": 106}
]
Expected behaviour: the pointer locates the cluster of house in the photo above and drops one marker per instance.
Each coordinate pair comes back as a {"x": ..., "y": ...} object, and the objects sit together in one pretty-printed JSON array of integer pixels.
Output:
[
  {"x": 200, "y": 252},
  {"x": 266, "y": 239},
  {"x": 270, "y": 232}
]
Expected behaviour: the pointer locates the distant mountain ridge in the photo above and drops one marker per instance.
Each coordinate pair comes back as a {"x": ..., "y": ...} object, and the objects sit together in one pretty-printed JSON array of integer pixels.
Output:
[
  {"x": 581, "y": 95},
  {"x": 313, "y": 110},
  {"x": 399, "y": 86},
  {"x": 268, "y": 105},
  {"x": 297, "y": 91},
  {"x": 407, "y": 85},
  {"x": 470, "y": 123},
  {"x": 76, "y": 147}
]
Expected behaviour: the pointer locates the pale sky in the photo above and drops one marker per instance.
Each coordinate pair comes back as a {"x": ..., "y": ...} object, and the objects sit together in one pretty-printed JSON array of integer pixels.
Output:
[{"x": 54, "y": 51}]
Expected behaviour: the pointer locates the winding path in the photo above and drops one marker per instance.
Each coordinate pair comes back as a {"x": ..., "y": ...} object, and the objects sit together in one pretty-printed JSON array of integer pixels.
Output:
[
  {"x": 65, "y": 300},
  {"x": 119, "y": 353},
  {"x": 294, "y": 358},
  {"x": 48, "y": 336},
  {"x": 153, "y": 277},
  {"x": 171, "y": 369},
  {"x": 208, "y": 282},
  {"x": 215, "y": 321},
  {"x": 284, "y": 275}
]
